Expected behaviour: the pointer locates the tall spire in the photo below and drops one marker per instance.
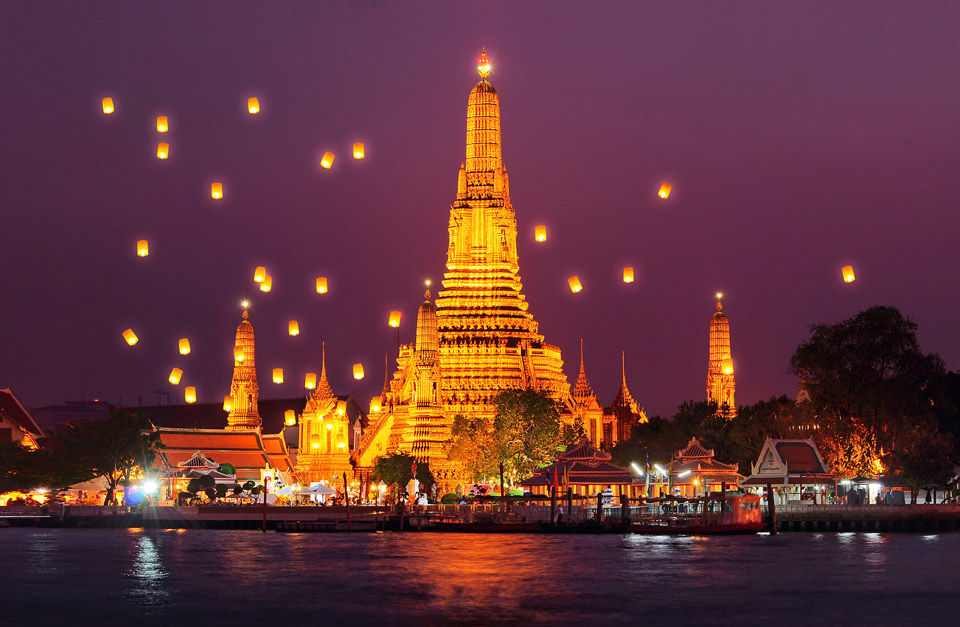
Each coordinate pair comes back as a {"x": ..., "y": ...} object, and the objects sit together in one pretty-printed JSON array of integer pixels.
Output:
[
  {"x": 323, "y": 391},
  {"x": 582, "y": 387},
  {"x": 720, "y": 379},
  {"x": 624, "y": 398},
  {"x": 243, "y": 388},
  {"x": 386, "y": 379},
  {"x": 483, "y": 132}
]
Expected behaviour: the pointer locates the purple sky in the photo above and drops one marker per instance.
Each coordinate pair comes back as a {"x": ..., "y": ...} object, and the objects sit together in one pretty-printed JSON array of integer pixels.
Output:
[{"x": 798, "y": 138}]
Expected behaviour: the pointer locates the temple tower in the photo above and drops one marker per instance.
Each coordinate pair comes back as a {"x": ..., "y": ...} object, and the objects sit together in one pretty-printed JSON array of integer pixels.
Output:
[
  {"x": 626, "y": 410},
  {"x": 324, "y": 429},
  {"x": 720, "y": 383},
  {"x": 244, "y": 389},
  {"x": 488, "y": 340}
]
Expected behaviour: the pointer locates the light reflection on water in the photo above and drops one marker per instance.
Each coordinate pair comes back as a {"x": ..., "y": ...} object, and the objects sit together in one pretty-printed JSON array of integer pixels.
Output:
[{"x": 231, "y": 577}]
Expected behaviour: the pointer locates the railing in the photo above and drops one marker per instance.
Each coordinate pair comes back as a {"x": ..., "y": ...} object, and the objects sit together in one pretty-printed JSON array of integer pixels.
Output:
[{"x": 876, "y": 509}]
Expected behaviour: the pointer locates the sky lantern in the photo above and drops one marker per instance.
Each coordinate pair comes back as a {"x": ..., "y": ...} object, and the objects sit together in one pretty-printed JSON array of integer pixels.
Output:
[
  {"x": 227, "y": 403},
  {"x": 108, "y": 105},
  {"x": 357, "y": 371},
  {"x": 238, "y": 353},
  {"x": 628, "y": 274},
  {"x": 540, "y": 233},
  {"x": 310, "y": 381},
  {"x": 394, "y": 319},
  {"x": 848, "y": 274},
  {"x": 575, "y": 285},
  {"x": 321, "y": 285},
  {"x": 293, "y": 328},
  {"x": 162, "y": 126},
  {"x": 664, "y": 190},
  {"x": 278, "y": 375},
  {"x": 163, "y": 150},
  {"x": 130, "y": 337},
  {"x": 358, "y": 150},
  {"x": 253, "y": 105},
  {"x": 267, "y": 284},
  {"x": 216, "y": 191},
  {"x": 175, "y": 375},
  {"x": 290, "y": 417},
  {"x": 143, "y": 248},
  {"x": 259, "y": 274},
  {"x": 190, "y": 394},
  {"x": 184, "y": 346},
  {"x": 341, "y": 410},
  {"x": 326, "y": 160},
  {"x": 376, "y": 404}
]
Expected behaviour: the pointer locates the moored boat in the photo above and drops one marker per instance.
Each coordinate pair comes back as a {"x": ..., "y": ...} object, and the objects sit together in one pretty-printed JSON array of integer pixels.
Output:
[{"x": 734, "y": 514}]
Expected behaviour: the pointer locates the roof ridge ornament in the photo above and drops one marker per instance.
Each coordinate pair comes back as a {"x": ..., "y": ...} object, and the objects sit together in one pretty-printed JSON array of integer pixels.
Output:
[{"x": 483, "y": 64}]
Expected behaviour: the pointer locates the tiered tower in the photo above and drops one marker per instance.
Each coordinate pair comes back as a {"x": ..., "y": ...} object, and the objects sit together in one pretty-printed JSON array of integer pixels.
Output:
[
  {"x": 488, "y": 340},
  {"x": 626, "y": 410},
  {"x": 324, "y": 428},
  {"x": 720, "y": 383},
  {"x": 244, "y": 389}
]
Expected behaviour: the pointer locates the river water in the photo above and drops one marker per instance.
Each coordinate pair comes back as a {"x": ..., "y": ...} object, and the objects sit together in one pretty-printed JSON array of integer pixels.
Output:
[{"x": 177, "y": 577}]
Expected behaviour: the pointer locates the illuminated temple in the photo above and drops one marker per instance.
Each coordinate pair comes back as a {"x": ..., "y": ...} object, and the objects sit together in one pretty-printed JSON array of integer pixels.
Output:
[
  {"x": 479, "y": 338},
  {"x": 720, "y": 382}
]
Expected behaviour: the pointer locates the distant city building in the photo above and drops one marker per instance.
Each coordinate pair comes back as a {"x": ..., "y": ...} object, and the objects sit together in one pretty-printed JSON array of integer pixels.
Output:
[
  {"x": 52, "y": 416},
  {"x": 720, "y": 381}
]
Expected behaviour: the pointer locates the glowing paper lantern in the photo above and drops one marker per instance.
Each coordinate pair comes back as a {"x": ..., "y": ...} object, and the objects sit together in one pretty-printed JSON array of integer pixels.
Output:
[
  {"x": 278, "y": 375},
  {"x": 310, "y": 381},
  {"x": 162, "y": 126},
  {"x": 540, "y": 233},
  {"x": 394, "y": 320},
  {"x": 227, "y": 403},
  {"x": 293, "y": 328},
  {"x": 358, "y": 150},
  {"x": 253, "y": 105},
  {"x": 184, "y": 346},
  {"x": 259, "y": 274},
  {"x": 163, "y": 150},
  {"x": 190, "y": 394},
  {"x": 290, "y": 417},
  {"x": 727, "y": 366},
  {"x": 357, "y": 371},
  {"x": 130, "y": 337},
  {"x": 175, "y": 375},
  {"x": 143, "y": 249},
  {"x": 376, "y": 404},
  {"x": 216, "y": 190},
  {"x": 108, "y": 105},
  {"x": 267, "y": 284},
  {"x": 848, "y": 274},
  {"x": 628, "y": 274},
  {"x": 664, "y": 190},
  {"x": 575, "y": 285},
  {"x": 321, "y": 285},
  {"x": 341, "y": 408},
  {"x": 238, "y": 353},
  {"x": 326, "y": 160}
]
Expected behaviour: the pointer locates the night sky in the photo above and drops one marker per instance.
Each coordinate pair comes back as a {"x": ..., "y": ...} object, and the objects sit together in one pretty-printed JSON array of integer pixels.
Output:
[{"x": 798, "y": 138}]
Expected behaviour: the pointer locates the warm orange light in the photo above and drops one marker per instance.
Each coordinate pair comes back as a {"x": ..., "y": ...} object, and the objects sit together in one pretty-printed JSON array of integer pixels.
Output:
[
  {"x": 341, "y": 408},
  {"x": 163, "y": 151},
  {"x": 329, "y": 426},
  {"x": 130, "y": 337},
  {"x": 259, "y": 274},
  {"x": 326, "y": 160},
  {"x": 227, "y": 403},
  {"x": 143, "y": 249},
  {"x": 357, "y": 371},
  {"x": 376, "y": 404},
  {"x": 278, "y": 375},
  {"x": 321, "y": 285},
  {"x": 216, "y": 191},
  {"x": 162, "y": 126},
  {"x": 175, "y": 375},
  {"x": 108, "y": 105},
  {"x": 664, "y": 190},
  {"x": 253, "y": 105},
  {"x": 190, "y": 394},
  {"x": 483, "y": 65},
  {"x": 290, "y": 417},
  {"x": 540, "y": 233},
  {"x": 293, "y": 328},
  {"x": 575, "y": 285},
  {"x": 727, "y": 366},
  {"x": 358, "y": 150},
  {"x": 394, "y": 320},
  {"x": 341, "y": 443},
  {"x": 310, "y": 381},
  {"x": 238, "y": 353},
  {"x": 184, "y": 346},
  {"x": 267, "y": 284},
  {"x": 315, "y": 443},
  {"x": 628, "y": 274},
  {"x": 848, "y": 274}
]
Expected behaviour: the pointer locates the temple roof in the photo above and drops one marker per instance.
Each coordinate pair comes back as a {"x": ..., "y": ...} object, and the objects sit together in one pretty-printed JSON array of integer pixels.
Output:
[
  {"x": 624, "y": 399},
  {"x": 14, "y": 411},
  {"x": 247, "y": 451},
  {"x": 582, "y": 389},
  {"x": 695, "y": 450},
  {"x": 583, "y": 451}
]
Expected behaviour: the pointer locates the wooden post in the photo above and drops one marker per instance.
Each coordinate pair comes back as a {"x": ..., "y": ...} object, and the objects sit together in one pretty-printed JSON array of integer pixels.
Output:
[
  {"x": 772, "y": 513},
  {"x": 600, "y": 507},
  {"x": 553, "y": 505},
  {"x": 401, "y": 515},
  {"x": 624, "y": 509},
  {"x": 569, "y": 503},
  {"x": 346, "y": 498}
]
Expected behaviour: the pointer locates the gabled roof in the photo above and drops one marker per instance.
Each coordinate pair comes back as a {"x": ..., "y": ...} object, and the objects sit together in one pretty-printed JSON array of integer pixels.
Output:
[
  {"x": 14, "y": 411},
  {"x": 788, "y": 461},
  {"x": 695, "y": 450},
  {"x": 247, "y": 451},
  {"x": 584, "y": 450},
  {"x": 198, "y": 460}
]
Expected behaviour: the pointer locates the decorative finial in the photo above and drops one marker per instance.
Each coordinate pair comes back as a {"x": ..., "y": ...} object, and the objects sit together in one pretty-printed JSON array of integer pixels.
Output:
[
  {"x": 245, "y": 304},
  {"x": 426, "y": 293},
  {"x": 719, "y": 304},
  {"x": 483, "y": 64},
  {"x": 623, "y": 367}
]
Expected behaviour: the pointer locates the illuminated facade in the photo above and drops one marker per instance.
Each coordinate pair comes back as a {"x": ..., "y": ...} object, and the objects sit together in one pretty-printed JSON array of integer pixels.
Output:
[
  {"x": 720, "y": 382},
  {"x": 243, "y": 414},
  {"x": 323, "y": 452}
]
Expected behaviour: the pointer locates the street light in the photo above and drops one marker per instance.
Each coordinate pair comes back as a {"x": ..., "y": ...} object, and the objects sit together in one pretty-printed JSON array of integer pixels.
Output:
[{"x": 636, "y": 468}]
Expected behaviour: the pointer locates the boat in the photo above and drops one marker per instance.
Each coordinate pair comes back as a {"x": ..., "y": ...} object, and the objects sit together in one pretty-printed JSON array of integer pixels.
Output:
[{"x": 710, "y": 515}]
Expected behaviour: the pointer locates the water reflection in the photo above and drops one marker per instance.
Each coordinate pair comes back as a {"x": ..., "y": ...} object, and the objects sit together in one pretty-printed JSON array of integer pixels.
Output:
[{"x": 147, "y": 577}]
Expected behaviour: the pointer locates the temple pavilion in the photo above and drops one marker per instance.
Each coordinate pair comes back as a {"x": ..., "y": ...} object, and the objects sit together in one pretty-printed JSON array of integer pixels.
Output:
[
  {"x": 695, "y": 471},
  {"x": 587, "y": 471}
]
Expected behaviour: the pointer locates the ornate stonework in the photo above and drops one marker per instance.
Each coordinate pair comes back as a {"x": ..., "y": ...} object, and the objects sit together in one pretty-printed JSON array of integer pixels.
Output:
[
  {"x": 720, "y": 381},
  {"x": 323, "y": 451},
  {"x": 244, "y": 389}
]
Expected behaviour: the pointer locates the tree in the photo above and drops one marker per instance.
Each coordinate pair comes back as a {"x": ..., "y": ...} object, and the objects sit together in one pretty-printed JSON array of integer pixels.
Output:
[
  {"x": 397, "y": 468},
  {"x": 470, "y": 445},
  {"x": 778, "y": 417}
]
